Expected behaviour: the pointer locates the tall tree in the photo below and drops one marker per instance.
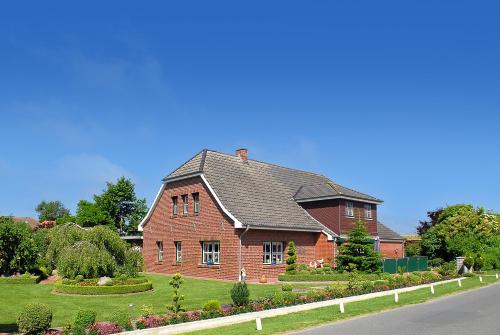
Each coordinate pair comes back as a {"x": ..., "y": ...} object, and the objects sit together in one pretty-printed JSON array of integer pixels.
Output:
[
  {"x": 51, "y": 210},
  {"x": 117, "y": 205},
  {"x": 18, "y": 250}
]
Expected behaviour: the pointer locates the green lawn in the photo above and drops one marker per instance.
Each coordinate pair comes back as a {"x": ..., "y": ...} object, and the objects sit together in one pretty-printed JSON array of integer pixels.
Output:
[
  {"x": 301, "y": 320},
  {"x": 197, "y": 292}
]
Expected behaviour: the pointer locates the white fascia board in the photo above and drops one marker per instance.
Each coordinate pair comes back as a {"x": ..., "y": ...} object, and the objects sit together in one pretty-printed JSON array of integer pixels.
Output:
[
  {"x": 150, "y": 211},
  {"x": 329, "y": 237},
  {"x": 237, "y": 223},
  {"x": 340, "y": 197}
]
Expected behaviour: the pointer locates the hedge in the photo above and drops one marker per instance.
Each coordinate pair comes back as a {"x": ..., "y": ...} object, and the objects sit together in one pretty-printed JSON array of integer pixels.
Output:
[
  {"x": 325, "y": 277},
  {"x": 20, "y": 280},
  {"x": 102, "y": 290}
]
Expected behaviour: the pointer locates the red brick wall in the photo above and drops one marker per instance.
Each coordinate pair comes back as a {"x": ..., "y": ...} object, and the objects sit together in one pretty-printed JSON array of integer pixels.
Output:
[
  {"x": 331, "y": 213},
  {"x": 212, "y": 224},
  {"x": 209, "y": 224},
  {"x": 392, "y": 249}
]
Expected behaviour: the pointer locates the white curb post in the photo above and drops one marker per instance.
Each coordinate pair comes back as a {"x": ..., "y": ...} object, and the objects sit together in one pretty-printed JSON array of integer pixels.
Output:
[
  {"x": 481, "y": 279},
  {"x": 341, "y": 305},
  {"x": 497, "y": 275},
  {"x": 396, "y": 296},
  {"x": 459, "y": 282},
  {"x": 432, "y": 288},
  {"x": 258, "y": 323}
]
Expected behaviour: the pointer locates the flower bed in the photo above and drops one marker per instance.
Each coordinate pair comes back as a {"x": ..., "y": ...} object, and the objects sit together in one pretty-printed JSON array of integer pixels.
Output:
[
  {"x": 23, "y": 279},
  {"x": 324, "y": 276},
  {"x": 116, "y": 286},
  {"x": 282, "y": 299}
]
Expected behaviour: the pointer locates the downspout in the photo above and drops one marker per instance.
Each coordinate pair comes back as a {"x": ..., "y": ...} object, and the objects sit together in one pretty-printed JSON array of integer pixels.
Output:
[{"x": 241, "y": 255}]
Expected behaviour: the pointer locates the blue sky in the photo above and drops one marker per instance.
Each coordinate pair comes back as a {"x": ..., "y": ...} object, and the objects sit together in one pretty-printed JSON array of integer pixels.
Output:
[{"x": 396, "y": 99}]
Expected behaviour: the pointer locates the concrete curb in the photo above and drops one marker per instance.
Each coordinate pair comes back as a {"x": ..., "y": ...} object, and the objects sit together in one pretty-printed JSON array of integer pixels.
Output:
[{"x": 245, "y": 317}]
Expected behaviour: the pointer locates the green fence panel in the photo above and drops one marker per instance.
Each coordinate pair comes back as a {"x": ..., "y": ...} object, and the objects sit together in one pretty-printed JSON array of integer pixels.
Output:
[
  {"x": 390, "y": 265},
  {"x": 402, "y": 264},
  {"x": 412, "y": 264},
  {"x": 422, "y": 263}
]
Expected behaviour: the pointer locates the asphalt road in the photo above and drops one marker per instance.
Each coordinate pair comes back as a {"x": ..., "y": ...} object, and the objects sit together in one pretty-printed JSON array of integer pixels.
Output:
[{"x": 475, "y": 312}]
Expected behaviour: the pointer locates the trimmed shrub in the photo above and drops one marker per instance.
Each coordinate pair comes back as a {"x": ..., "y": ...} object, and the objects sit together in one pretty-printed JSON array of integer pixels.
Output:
[
  {"x": 291, "y": 261},
  {"x": 212, "y": 305},
  {"x": 83, "y": 319},
  {"x": 147, "y": 310},
  {"x": 449, "y": 269},
  {"x": 63, "y": 287},
  {"x": 286, "y": 288},
  {"x": 335, "y": 276},
  {"x": 20, "y": 280},
  {"x": 240, "y": 294},
  {"x": 35, "y": 318}
]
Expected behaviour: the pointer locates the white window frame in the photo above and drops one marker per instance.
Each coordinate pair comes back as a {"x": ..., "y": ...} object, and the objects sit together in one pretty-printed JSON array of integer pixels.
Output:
[
  {"x": 175, "y": 205},
  {"x": 159, "y": 251},
  {"x": 196, "y": 203},
  {"x": 210, "y": 252},
  {"x": 349, "y": 209},
  {"x": 272, "y": 253},
  {"x": 185, "y": 204},
  {"x": 368, "y": 212},
  {"x": 178, "y": 251}
]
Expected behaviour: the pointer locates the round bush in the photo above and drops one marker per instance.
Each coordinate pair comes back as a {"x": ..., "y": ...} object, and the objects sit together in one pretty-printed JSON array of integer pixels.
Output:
[
  {"x": 35, "y": 318},
  {"x": 240, "y": 294},
  {"x": 212, "y": 306}
]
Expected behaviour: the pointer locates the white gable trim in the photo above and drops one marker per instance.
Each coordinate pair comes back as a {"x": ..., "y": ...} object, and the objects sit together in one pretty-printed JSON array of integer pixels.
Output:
[
  {"x": 340, "y": 197},
  {"x": 150, "y": 211},
  {"x": 237, "y": 223}
]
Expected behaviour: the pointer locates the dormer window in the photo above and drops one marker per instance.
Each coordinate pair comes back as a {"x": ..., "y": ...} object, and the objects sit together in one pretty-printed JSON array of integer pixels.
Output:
[
  {"x": 368, "y": 211},
  {"x": 349, "y": 209}
]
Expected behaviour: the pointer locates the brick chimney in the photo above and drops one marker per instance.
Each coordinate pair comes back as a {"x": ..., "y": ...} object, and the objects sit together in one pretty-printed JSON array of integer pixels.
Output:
[{"x": 243, "y": 154}]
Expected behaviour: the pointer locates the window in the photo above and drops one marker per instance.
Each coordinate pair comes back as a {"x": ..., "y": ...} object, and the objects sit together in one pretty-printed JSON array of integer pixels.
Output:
[
  {"x": 159, "y": 251},
  {"x": 368, "y": 211},
  {"x": 196, "y": 202},
  {"x": 349, "y": 208},
  {"x": 273, "y": 253},
  {"x": 185, "y": 204},
  {"x": 178, "y": 251},
  {"x": 174, "y": 206},
  {"x": 211, "y": 252}
]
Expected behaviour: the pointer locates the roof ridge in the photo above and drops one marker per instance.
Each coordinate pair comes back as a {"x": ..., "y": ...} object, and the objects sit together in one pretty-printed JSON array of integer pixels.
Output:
[
  {"x": 350, "y": 189},
  {"x": 273, "y": 164}
]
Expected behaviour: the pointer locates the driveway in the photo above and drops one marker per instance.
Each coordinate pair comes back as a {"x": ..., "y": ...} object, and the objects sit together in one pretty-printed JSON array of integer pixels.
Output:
[{"x": 474, "y": 312}]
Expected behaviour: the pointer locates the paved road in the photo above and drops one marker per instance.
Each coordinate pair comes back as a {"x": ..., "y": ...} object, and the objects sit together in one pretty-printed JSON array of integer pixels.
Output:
[{"x": 472, "y": 313}]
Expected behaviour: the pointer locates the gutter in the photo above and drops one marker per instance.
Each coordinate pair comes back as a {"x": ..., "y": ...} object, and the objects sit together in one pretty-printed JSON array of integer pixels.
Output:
[{"x": 241, "y": 256}]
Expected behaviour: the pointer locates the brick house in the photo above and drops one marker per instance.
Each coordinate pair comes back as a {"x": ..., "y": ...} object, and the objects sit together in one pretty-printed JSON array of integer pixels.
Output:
[{"x": 218, "y": 214}]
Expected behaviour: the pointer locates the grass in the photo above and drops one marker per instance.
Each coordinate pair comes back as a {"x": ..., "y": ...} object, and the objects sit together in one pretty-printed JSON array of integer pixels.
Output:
[
  {"x": 14, "y": 297},
  {"x": 307, "y": 319}
]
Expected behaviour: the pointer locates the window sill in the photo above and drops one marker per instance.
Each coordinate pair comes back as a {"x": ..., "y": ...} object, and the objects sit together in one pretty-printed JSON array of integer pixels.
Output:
[
  {"x": 214, "y": 266},
  {"x": 368, "y": 219},
  {"x": 158, "y": 263},
  {"x": 177, "y": 264},
  {"x": 350, "y": 216},
  {"x": 173, "y": 216}
]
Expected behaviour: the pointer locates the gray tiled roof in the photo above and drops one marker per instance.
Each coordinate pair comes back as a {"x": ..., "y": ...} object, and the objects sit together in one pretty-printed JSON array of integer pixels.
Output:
[
  {"x": 385, "y": 233},
  {"x": 256, "y": 193},
  {"x": 329, "y": 189}
]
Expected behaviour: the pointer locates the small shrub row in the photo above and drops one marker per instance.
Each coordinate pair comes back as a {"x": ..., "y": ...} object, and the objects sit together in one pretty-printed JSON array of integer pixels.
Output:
[
  {"x": 323, "y": 276},
  {"x": 102, "y": 290},
  {"x": 23, "y": 279},
  {"x": 79, "y": 281}
]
